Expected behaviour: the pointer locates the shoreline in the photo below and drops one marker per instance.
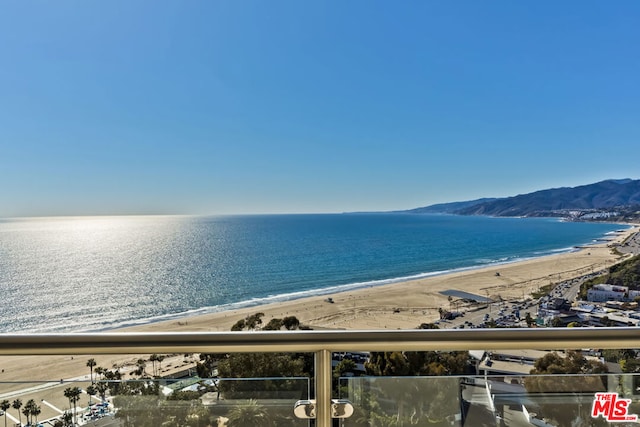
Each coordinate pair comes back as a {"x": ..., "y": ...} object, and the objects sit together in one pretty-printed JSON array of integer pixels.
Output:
[
  {"x": 380, "y": 269},
  {"x": 247, "y": 305},
  {"x": 419, "y": 297},
  {"x": 253, "y": 306},
  {"x": 407, "y": 303},
  {"x": 402, "y": 305}
]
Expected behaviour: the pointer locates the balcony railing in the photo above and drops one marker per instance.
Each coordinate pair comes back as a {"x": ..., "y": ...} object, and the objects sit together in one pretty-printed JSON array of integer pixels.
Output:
[{"x": 324, "y": 343}]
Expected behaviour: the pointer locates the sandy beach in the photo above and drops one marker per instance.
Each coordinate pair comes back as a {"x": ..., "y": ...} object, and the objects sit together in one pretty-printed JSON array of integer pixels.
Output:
[
  {"x": 394, "y": 306},
  {"x": 407, "y": 304}
]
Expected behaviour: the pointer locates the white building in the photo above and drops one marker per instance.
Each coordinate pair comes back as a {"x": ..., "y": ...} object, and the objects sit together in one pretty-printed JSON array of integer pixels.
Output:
[{"x": 605, "y": 292}]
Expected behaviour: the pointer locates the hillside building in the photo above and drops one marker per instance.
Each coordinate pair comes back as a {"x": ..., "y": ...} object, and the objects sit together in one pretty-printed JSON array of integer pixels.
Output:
[{"x": 605, "y": 292}]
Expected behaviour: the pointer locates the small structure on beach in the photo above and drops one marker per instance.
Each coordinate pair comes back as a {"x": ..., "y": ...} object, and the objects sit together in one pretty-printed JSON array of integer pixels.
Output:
[{"x": 466, "y": 295}]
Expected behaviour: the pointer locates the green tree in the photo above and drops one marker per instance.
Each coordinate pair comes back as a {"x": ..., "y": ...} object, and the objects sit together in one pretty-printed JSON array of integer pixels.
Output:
[
  {"x": 90, "y": 364},
  {"x": 408, "y": 395},
  {"x": 153, "y": 359},
  {"x": 4, "y": 405},
  {"x": 208, "y": 363},
  {"x": 251, "y": 323},
  {"x": 530, "y": 320},
  {"x": 631, "y": 365},
  {"x": 259, "y": 365},
  {"x": 141, "y": 366},
  {"x": 239, "y": 325},
  {"x": 250, "y": 413},
  {"x": 102, "y": 388},
  {"x": 36, "y": 411},
  {"x": 274, "y": 324},
  {"x": 92, "y": 390},
  {"x": 26, "y": 411},
  {"x": 617, "y": 355},
  {"x": 428, "y": 326},
  {"x": 343, "y": 367},
  {"x": 254, "y": 321},
  {"x": 291, "y": 323},
  {"x": 17, "y": 404},
  {"x": 99, "y": 370},
  {"x": 159, "y": 359},
  {"x": 256, "y": 365},
  {"x": 67, "y": 419},
  {"x": 417, "y": 363},
  {"x": 31, "y": 410},
  {"x": 574, "y": 362},
  {"x": 73, "y": 394},
  {"x": 556, "y": 322},
  {"x": 550, "y": 375},
  {"x": 112, "y": 380}
]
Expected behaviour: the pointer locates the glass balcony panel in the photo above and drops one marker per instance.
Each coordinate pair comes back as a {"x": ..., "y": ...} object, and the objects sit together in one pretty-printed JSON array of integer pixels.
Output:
[
  {"x": 531, "y": 400},
  {"x": 192, "y": 402}
]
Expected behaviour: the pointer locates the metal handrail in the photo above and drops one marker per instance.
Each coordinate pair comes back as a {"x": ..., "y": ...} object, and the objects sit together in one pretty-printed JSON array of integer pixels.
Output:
[
  {"x": 313, "y": 341},
  {"x": 321, "y": 343}
]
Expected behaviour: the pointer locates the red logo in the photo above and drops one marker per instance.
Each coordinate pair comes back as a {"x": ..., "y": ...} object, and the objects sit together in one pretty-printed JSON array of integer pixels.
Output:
[{"x": 612, "y": 408}]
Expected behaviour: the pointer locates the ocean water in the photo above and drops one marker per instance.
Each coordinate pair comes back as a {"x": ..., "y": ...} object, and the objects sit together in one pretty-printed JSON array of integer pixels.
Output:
[{"x": 98, "y": 273}]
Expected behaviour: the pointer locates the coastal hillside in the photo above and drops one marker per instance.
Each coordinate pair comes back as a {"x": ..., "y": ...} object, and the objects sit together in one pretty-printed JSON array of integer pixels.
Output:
[
  {"x": 612, "y": 199},
  {"x": 626, "y": 273},
  {"x": 453, "y": 207}
]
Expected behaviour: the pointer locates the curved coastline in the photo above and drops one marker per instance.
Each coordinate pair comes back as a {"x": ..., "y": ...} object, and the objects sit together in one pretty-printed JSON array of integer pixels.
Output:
[
  {"x": 257, "y": 303},
  {"x": 254, "y": 261},
  {"x": 371, "y": 305},
  {"x": 393, "y": 306}
]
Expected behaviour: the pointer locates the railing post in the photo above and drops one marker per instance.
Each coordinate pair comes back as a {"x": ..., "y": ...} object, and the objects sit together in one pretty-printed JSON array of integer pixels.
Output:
[{"x": 322, "y": 369}]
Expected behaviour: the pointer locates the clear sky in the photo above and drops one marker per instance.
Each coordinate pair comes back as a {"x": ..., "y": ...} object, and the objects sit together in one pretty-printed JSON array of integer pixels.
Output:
[{"x": 215, "y": 107}]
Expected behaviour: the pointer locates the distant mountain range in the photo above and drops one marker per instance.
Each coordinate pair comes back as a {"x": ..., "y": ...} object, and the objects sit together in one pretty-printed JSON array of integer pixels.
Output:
[{"x": 613, "y": 199}]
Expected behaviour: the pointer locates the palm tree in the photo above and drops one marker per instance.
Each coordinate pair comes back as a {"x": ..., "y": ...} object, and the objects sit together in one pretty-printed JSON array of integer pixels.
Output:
[
  {"x": 141, "y": 364},
  {"x": 73, "y": 394},
  {"x": 67, "y": 419},
  {"x": 102, "y": 388},
  {"x": 250, "y": 413},
  {"x": 17, "y": 404},
  {"x": 27, "y": 411},
  {"x": 4, "y": 405},
  {"x": 91, "y": 391},
  {"x": 153, "y": 359},
  {"x": 36, "y": 411},
  {"x": 99, "y": 370},
  {"x": 31, "y": 410},
  {"x": 91, "y": 363},
  {"x": 160, "y": 359}
]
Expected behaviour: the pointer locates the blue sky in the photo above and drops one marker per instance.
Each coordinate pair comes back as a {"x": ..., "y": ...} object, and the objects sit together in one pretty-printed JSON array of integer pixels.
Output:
[{"x": 215, "y": 107}]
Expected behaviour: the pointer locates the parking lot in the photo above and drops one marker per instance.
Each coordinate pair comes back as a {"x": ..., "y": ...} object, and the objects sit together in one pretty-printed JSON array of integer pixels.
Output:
[{"x": 505, "y": 313}]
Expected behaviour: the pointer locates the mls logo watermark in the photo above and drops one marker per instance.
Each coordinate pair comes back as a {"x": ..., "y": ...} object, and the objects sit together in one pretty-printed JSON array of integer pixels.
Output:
[{"x": 612, "y": 408}]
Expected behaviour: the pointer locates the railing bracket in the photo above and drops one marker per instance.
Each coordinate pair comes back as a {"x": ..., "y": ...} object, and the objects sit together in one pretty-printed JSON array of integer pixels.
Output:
[{"x": 306, "y": 409}]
